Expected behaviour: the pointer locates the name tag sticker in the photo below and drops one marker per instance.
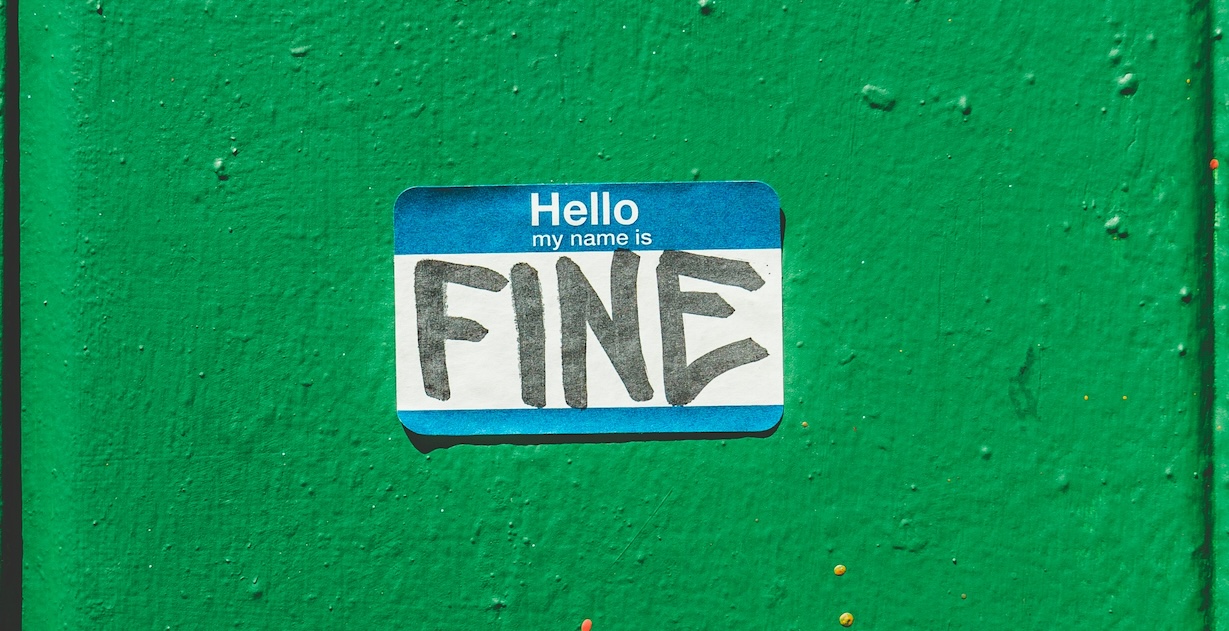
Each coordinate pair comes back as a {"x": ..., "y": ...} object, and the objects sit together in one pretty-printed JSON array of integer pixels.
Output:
[{"x": 588, "y": 309}]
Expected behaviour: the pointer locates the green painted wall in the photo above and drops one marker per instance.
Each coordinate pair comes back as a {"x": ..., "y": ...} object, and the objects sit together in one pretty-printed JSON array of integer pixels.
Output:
[{"x": 998, "y": 314}]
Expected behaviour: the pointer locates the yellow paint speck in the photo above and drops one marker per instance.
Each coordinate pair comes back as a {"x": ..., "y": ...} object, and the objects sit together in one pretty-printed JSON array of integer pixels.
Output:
[
  {"x": 839, "y": 570},
  {"x": 1124, "y": 397},
  {"x": 804, "y": 424},
  {"x": 846, "y": 619},
  {"x": 1085, "y": 397}
]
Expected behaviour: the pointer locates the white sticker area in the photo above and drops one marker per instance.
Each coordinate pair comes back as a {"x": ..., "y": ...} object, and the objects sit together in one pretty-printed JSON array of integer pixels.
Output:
[{"x": 485, "y": 375}]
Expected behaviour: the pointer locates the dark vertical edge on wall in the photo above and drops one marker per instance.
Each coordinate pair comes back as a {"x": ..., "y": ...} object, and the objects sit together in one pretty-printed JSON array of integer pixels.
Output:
[
  {"x": 10, "y": 339},
  {"x": 1213, "y": 316}
]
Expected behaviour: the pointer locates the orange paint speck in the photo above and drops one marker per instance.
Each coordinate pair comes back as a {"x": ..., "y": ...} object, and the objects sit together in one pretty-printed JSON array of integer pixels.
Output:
[
  {"x": 586, "y": 625},
  {"x": 804, "y": 424},
  {"x": 839, "y": 570},
  {"x": 846, "y": 619},
  {"x": 1214, "y": 164}
]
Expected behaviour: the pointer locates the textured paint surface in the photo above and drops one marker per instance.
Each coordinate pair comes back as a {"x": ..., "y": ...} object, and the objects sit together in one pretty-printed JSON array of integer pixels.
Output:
[
  {"x": 998, "y": 315},
  {"x": 1218, "y": 493}
]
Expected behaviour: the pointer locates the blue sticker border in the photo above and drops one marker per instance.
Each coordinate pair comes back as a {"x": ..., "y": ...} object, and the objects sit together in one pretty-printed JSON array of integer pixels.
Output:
[
  {"x": 638, "y": 420},
  {"x": 727, "y": 215}
]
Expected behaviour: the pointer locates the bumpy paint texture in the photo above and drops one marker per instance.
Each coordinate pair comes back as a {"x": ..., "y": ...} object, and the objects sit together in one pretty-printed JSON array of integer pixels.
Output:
[{"x": 998, "y": 305}]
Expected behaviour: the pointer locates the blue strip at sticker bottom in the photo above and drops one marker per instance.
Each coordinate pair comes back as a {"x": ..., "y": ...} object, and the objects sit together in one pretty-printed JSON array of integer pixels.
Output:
[{"x": 588, "y": 309}]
